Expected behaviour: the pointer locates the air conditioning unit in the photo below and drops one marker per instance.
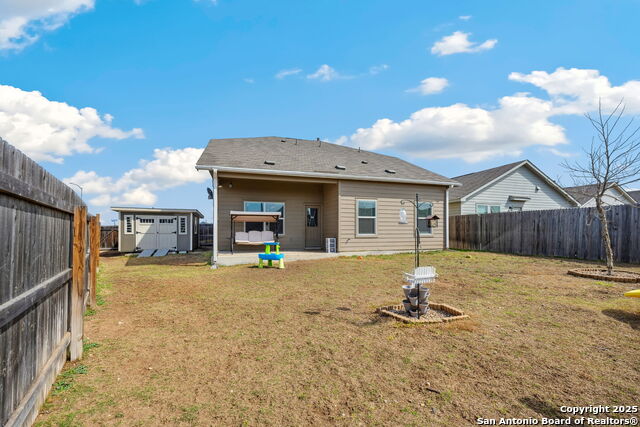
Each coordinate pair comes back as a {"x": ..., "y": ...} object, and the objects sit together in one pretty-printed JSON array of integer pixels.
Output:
[{"x": 330, "y": 245}]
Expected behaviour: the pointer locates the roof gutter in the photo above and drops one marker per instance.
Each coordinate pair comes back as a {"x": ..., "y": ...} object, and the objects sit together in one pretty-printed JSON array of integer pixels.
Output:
[
  {"x": 126, "y": 209},
  {"x": 327, "y": 175}
]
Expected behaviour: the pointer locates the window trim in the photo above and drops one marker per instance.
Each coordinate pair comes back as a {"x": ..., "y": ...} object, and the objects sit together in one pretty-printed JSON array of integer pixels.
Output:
[
  {"x": 489, "y": 206},
  {"x": 375, "y": 219},
  {"x": 264, "y": 227},
  {"x": 430, "y": 233},
  {"x": 130, "y": 223},
  {"x": 186, "y": 225}
]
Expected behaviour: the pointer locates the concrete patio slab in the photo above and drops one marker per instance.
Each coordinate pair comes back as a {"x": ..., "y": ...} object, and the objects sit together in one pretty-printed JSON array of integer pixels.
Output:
[{"x": 238, "y": 258}]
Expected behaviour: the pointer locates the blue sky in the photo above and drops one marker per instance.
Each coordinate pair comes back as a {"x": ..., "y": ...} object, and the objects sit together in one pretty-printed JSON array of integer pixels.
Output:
[{"x": 169, "y": 75}]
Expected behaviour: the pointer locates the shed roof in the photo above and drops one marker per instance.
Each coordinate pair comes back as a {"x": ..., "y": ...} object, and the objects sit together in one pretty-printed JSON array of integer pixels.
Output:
[
  {"x": 133, "y": 209},
  {"x": 301, "y": 157}
]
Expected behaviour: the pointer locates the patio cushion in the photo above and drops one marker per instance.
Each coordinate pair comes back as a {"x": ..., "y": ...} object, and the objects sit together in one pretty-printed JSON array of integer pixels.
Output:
[
  {"x": 255, "y": 236},
  {"x": 267, "y": 236},
  {"x": 241, "y": 236}
]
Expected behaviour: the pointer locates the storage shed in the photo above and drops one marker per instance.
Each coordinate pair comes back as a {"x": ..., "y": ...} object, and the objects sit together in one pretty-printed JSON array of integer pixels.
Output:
[{"x": 157, "y": 228}]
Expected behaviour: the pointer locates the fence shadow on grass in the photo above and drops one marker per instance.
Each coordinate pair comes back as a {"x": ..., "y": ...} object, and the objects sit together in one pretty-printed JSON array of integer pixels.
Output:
[
  {"x": 628, "y": 317},
  {"x": 542, "y": 407},
  {"x": 197, "y": 259}
]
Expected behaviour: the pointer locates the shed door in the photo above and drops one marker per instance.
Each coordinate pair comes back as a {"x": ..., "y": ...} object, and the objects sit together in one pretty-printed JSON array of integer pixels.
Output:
[
  {"x": 146, "y": 234},
  {"x": 312, "y": 230},
  {"x": 167, "y": 232}
]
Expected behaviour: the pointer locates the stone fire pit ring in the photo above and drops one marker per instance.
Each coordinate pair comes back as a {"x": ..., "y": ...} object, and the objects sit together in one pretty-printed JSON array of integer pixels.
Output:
[
  {"x": 601, "y": 274},
  {"x": 437, "y": 313}
]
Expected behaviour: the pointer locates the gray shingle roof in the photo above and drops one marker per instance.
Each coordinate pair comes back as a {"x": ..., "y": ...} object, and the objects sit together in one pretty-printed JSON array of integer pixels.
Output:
[
  {"x": 582, "y": 193},
  {"x": 635, "y": 194},
  {"x": 472, "y": 181},
  {"x": 305, "y": 157}
]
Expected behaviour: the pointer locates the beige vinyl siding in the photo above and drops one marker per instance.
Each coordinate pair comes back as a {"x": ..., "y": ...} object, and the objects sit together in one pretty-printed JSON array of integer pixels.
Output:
[
  {"x": 521, "y": 182},
  {"x": 391, "y": 235},
  {"x": 330, "y": 210},
  {"x": 293, "y": 195}
]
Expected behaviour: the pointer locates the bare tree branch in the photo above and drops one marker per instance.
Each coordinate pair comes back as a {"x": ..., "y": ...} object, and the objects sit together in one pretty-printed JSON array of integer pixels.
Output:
[{"x": 613, "y": 159}]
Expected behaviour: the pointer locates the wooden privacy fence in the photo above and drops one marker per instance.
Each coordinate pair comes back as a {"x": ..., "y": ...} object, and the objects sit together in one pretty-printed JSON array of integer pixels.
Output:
[
  {"x": 206, "y": 234},
  {"x": 109, "y": 237},
  {"x": 49, "y": 250},
  {"x": 570, "y": 233}
]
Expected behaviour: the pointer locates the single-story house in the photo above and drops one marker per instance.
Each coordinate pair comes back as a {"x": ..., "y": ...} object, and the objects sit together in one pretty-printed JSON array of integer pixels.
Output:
[
  {"x": 322, "y": 190},
  {"x": 519, "y": 186},
  {"x": 616, "y": 195},
  {"x": 157, "y": 228}
]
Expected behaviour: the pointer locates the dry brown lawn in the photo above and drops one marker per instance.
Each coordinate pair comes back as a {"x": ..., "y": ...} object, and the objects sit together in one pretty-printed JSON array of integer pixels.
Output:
[{"x": 176, "y": 343}]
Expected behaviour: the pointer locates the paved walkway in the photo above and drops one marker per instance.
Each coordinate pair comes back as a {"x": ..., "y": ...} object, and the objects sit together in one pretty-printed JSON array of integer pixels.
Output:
[{"x": 226, "y": 258}]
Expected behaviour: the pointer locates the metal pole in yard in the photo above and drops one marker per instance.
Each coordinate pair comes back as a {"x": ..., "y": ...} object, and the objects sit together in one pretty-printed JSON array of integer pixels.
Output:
[{"x": 214, "y": 254}]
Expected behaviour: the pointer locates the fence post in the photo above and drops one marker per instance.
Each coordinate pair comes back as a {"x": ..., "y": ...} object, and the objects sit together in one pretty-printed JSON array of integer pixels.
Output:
[
  {"x": 77, "y": 283},
  {"x": 94, "y": 260}
]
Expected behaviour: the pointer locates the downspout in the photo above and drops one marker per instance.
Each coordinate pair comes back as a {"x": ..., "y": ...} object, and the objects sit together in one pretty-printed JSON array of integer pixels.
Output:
[
  {"x": 446, "y": 217},
  {"x": 120, "y": 216},
  {"x": 191, "y": 216},
  {"x": 214, "y": 253}
]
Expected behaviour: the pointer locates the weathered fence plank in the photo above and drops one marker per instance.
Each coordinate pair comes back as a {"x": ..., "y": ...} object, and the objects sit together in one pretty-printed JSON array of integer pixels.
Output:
[
  {"x": 570, "y": 233},
  {"x": 94, "y": 243},
  {"x": 108, "y": 237},
  {"x": 78, "y": 280},
  {"x": 36, "y": 217}
]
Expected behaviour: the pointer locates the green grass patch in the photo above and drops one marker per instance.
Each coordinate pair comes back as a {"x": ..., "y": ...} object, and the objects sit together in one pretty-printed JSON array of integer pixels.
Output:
[{"x": 67, "y": 378}]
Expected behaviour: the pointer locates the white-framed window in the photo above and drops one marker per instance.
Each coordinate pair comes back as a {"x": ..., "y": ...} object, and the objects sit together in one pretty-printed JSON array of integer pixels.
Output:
[
  {"x": 147, "y": 220},
  {"x": 166, "y": 220},
  {"x": 128, "y": 224},
  {"x": 484, "y": 209},
  {"x": 366, "y": 217},
  {"x": 266, "y": 207},
  {"x": 182, "y": 225},
  {"x": 424, "y": 211}
]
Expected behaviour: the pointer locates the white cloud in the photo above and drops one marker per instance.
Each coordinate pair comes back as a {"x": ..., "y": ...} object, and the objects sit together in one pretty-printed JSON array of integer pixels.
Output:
[
  {"x": 325, "y": 74},
  {"x": 464, "y": 17},
  {"x": 22, "y": 22},
  {"x": 576, "y": 91},
  {"x": 431, "y": 85},
  {"x": 519, "y": 121},
  {"x": 559, "y": 153},
  {"x": 138, "y": 186},
  {"x": 470, "y": 133},
  {"x": 288, "y": 72},
  {"x": 459, "y": 42},
  {"x": 249, "y": 80},
  {"x": 377, "y": 69},
  {"x": 48, "y": 130}
]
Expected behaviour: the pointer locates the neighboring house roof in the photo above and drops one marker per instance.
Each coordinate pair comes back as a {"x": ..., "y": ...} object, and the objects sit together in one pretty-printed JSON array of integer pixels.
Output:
[
  {"x": 128, "y": 209},
  {"x": 584, "y": 193},
  {"x": 635, "y": 194},
  {"x": 300, "y": 157},
  {"x": 475, "y": 182}
]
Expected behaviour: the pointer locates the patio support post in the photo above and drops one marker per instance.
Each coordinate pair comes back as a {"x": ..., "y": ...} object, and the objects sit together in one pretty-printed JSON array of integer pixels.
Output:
[
  {"x": 214, "y": 252},
  {"x": 446, "y": 217}
]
